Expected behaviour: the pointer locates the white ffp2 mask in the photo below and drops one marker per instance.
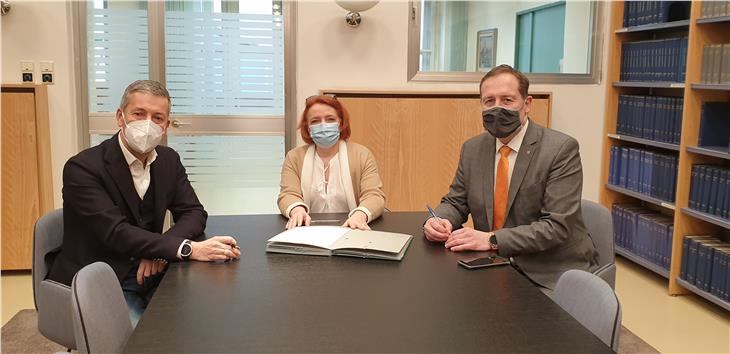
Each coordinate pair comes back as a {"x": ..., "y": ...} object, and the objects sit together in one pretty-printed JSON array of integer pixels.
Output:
[{"x": 142, "y": 135}]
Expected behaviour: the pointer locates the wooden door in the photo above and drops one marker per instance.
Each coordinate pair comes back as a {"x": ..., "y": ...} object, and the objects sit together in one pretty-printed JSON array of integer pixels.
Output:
[{"x": 20, "y": 192}]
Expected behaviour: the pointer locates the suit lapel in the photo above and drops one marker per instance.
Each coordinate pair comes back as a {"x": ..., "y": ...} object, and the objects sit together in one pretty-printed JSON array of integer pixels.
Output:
[
  {"x": 488, "y": 178},
  {"x": 117, "y": 167},
  {"x": 157, "y": 178},
  {"x": 524, "y": 157}
]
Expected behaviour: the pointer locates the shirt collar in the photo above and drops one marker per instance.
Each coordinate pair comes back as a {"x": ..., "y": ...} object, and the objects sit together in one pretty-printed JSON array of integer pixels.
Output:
[
  {"x": 130, "y": 158},
  {"x": 516, "y": 142}
]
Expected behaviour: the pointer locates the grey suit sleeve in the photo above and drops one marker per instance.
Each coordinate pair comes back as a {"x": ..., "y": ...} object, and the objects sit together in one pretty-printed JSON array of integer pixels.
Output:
[
  {"x": 453, "y": 205},
  {"x": 559, "y": 211}
]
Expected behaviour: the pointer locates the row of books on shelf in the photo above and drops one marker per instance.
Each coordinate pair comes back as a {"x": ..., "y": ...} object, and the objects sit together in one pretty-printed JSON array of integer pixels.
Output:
[
  {"x": 662, "y": 60},
  {"x": 715, "y": 9},
  {"x": 710, "y": 190},
  {"x": 643, "y": 232},
  {"x": 644, "y": 171},
  {"x": 715, "y": 126},
  {"x": 646, "y": 12},
  {"x": 706, "y": 264},
  {"x": 715, "y": 64},
  {"x": 650, "y": 117}
]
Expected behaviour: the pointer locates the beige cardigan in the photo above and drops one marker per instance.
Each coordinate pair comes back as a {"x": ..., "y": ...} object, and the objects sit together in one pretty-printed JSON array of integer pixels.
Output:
[{"x": 367, "y": 188}]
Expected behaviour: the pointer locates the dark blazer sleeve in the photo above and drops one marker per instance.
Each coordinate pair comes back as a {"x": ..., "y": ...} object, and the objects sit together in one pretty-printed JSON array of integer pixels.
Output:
[
  {"x": 559, "y": 211},
  {"x": 187, "y": 212},
  {"x": 454, "y": 205},
  {"x": 85, "y": 195}
]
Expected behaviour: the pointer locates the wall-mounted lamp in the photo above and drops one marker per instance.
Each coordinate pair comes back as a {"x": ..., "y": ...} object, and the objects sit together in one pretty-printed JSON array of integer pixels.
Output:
[
  {"x": 354, "y": 8},
  {"x": 4, "y": 7}
]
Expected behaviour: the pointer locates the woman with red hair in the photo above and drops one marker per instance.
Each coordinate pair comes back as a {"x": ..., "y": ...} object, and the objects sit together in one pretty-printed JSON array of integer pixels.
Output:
[{"x": 329, "y": 174}]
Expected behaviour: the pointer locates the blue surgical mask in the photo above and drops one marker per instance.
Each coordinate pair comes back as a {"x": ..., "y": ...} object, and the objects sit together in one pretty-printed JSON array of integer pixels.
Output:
[{"x": 325, "y": 135}]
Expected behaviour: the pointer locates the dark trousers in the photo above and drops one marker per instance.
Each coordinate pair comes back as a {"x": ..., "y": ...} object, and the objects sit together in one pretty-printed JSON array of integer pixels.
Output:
[{"x": 138, "y": 296}]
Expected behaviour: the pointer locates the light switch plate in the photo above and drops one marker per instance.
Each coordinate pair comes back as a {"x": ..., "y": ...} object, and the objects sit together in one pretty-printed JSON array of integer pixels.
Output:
[
  {"x": 46, "y": 66},
  {"x": 27, "y": 66}
]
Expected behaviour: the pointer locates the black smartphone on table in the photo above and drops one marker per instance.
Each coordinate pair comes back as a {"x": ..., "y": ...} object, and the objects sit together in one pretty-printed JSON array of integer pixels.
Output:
[{"x": 491, "y": 260}]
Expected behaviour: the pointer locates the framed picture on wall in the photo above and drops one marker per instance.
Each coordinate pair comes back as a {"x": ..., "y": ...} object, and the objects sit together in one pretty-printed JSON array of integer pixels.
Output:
[{"x": 486, "y": 49}]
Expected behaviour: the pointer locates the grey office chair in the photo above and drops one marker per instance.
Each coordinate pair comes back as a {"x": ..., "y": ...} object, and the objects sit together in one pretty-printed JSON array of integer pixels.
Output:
[
  {"x": 592, "y": 302},
  {"x": 599, "y": 223},
  {"x": 100, "y": 316},
  {"x": 51, "y": 299}
]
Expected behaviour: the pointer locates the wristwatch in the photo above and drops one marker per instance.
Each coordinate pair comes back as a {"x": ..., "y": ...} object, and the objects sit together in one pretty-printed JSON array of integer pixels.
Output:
[
  {"x": 186, "y": 250},
  {"x": 493, "y": 241}
]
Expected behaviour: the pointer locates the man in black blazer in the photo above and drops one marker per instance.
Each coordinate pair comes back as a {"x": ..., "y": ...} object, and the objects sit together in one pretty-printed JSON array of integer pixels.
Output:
[
  {"x": 116, "y": 194},
  {"x": 539, "y": 224}
]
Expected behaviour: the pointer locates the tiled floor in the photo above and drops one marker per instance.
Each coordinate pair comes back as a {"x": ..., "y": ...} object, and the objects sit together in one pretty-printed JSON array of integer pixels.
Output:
[
  {"x": 671, "y": 324},
  {"x": 682, "y": 324}
]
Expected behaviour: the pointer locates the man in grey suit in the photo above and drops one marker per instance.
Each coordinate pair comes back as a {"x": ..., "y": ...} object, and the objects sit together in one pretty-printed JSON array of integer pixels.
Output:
[{"x": 522, "y": 185}]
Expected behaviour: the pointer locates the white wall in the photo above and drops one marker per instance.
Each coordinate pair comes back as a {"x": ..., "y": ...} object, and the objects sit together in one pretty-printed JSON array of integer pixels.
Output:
[
  {"x": 330, "y": 55},
  {"x": 373, "y": 57},
  {"x": 38, "y": 31},
  {"x": 503, "y": 16}
]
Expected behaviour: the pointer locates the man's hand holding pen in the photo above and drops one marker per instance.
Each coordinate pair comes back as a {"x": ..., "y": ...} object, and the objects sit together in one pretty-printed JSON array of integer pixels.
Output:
[{"x": 437, "y": 229}]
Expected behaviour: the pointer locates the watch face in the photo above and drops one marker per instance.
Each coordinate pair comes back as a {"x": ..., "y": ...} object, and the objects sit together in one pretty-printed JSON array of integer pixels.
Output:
[
  {"x": 186, "y": 250},
  {"x": 493, "y": 240}
]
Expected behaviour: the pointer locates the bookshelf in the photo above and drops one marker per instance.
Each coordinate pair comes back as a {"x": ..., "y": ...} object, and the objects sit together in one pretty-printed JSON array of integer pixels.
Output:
[{"x": 700, "y": 32}]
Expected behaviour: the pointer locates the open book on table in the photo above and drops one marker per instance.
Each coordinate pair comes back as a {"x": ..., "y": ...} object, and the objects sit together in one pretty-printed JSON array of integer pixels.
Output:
[{"x": 340, "y": 241}]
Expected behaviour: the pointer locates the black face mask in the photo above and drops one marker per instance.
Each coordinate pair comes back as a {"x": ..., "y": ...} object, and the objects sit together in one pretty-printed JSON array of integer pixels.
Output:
[{"x": 500, "y": 121}]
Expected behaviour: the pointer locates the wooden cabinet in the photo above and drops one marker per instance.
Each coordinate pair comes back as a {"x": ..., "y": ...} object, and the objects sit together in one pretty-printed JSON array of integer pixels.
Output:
[
  {"x": 700, "y": 32},
  {"x": 26, "y": 170}
]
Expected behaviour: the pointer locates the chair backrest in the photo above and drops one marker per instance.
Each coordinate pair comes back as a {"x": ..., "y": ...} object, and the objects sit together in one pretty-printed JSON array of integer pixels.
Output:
[
  {"x": 592, "y": 302},
  {"x": 52, "y": 299},
  {"x": 599, "y": 222},
  {"x": 100, "y": 316},
  {"x": 47, "y": 238}
]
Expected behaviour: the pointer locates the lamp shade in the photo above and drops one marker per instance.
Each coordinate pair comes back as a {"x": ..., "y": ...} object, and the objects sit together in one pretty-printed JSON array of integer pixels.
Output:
[{"x": 356, "y": 6}]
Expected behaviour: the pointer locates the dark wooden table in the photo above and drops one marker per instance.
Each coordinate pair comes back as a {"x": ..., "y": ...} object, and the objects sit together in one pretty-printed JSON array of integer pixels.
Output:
[{"x": 291, "y": 303}]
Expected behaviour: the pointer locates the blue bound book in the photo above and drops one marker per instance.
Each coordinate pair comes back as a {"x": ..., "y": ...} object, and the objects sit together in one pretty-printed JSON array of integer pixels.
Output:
[
  {"x": 701, "y": 171},
  {"x": 677, "y": 129},
  {"x": 612, "y": 164},
  {"x": 624, "y": 176},
  {"x": 673, "y": 183},
  {"x": 714, "y": 124},
  {"x": 685, "y": 252},
  {"x": 721, "y": 194},
  {"x": 706, "y": 175},
  {"x": 700, "y": 274},
  {"x": 693, "y": 187},
  {"x": 726, "y": 204}
]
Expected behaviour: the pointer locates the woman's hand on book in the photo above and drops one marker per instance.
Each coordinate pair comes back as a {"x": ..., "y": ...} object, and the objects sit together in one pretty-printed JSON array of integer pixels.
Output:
[
  {"x": 298, "y": 217},
  {"x": 358, "y": 220}
]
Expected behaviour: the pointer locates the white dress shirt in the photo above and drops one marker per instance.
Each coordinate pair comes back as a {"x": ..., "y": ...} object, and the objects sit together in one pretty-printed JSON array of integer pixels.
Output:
[
  {"x": 514, "y": 144},
  {"x": 327, "y": 197},
  {"x": 140, "y": 172}
]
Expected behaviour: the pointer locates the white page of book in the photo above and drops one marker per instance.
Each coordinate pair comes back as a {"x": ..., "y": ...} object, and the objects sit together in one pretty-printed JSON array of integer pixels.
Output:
[
  {"x": 320, "y": 236},
  {"x": 373, "y": 240}
]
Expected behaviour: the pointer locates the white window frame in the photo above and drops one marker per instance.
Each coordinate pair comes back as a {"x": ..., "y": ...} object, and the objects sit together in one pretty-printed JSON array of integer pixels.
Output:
[{"x": 156, "y": 36}]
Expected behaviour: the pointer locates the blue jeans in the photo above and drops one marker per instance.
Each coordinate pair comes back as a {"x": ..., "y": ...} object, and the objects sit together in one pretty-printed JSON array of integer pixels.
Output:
[{"x": 138, "y": 296}]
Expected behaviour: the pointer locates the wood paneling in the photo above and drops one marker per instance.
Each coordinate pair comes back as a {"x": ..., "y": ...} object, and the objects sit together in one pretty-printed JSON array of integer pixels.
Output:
[
  {"x": 26, "y": 169},
  {"x": 416, "y": 139}
]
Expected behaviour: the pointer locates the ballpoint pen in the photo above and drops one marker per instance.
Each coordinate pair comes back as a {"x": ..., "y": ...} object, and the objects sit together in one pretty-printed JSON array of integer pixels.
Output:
[{"x": 433, "y": 213}]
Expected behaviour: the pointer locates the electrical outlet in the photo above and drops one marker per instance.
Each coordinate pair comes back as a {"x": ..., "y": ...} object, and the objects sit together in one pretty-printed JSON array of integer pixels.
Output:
[{"x": 47, "y": 78}]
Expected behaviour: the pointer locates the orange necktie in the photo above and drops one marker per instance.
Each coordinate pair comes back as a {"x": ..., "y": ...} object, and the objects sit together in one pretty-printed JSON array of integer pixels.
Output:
[{"x": 501, "y": 188}]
